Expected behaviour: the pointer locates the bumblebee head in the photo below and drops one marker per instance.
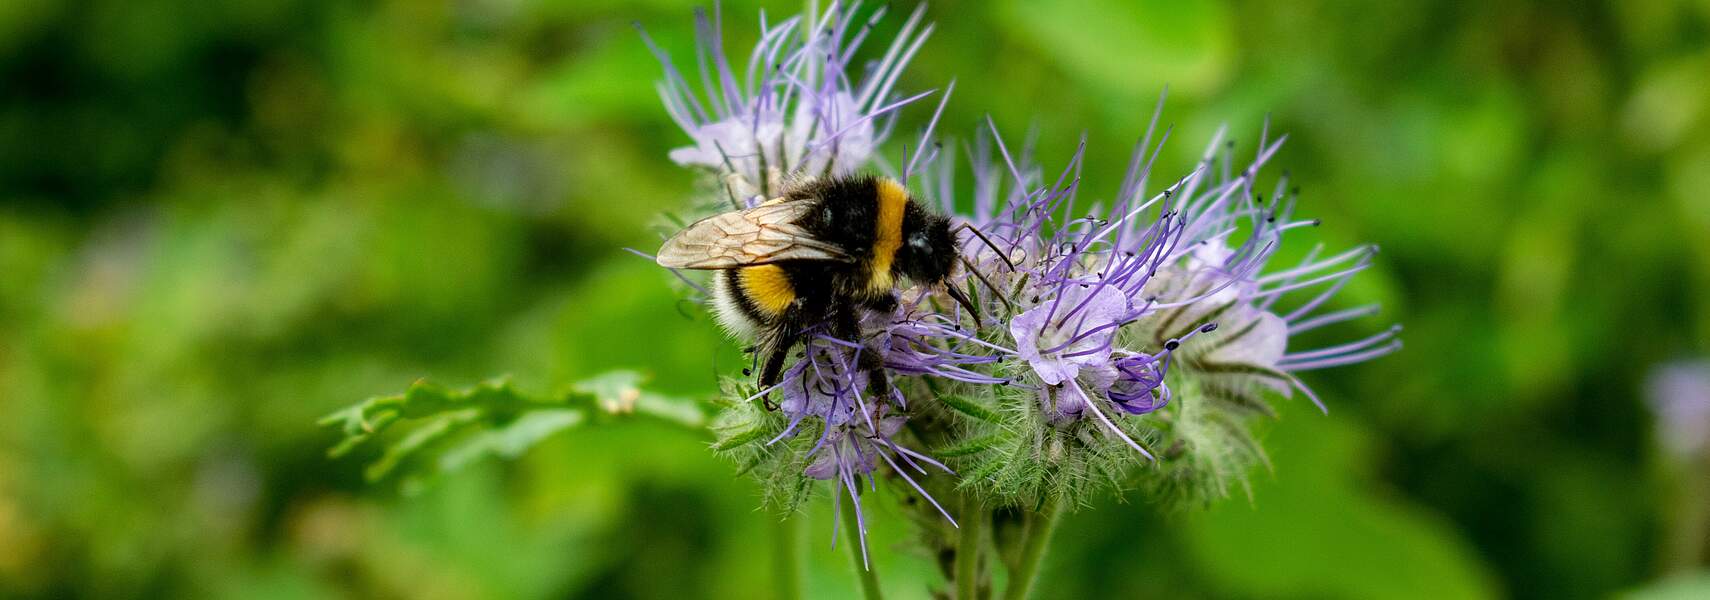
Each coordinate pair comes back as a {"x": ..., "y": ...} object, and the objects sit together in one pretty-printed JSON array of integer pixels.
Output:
[{"x": 928, "y": 253}]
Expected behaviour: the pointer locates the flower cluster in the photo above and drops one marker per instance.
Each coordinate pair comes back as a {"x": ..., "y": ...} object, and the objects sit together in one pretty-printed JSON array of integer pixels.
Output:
[
  {"x": 1101, "y": 303},
  {"x": 1150, "y": 326}
]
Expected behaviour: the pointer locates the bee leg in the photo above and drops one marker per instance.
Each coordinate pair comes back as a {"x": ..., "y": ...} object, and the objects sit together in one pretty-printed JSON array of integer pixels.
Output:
[
  {"x": 776, "y": 350},
  {"x": 847, "y": 325},
  {"x": 884, "y": 304}
]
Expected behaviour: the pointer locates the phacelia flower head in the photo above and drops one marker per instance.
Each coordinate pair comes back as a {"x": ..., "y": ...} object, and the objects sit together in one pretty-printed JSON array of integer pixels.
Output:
[
  {"x": 798, "y": 106},
  {"x": 856, "y": 431},
  {"x": 1105, "y": 306}
]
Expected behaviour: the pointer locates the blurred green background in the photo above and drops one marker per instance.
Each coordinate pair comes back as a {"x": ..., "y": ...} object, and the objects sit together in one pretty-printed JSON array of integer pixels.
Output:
[{"x": 220, "y": 221}]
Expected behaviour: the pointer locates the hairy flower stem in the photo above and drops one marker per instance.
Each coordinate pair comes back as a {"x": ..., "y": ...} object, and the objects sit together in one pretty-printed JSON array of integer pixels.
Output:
[
  {"x": 1042, "y": 524},
  {"x": 969, "y": 540},
  {"x": 786, "y": 548},
  {"x": 863, "y": 570}
]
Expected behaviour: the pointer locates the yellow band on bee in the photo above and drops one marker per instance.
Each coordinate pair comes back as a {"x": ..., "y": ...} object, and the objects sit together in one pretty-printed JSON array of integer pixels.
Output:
[
  {"x": 893, "y": 198},
  {"x": 768, "y": 287}
]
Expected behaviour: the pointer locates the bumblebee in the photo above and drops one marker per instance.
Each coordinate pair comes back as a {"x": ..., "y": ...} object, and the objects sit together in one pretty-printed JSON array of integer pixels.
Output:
[{"x": 817, "y": 256}]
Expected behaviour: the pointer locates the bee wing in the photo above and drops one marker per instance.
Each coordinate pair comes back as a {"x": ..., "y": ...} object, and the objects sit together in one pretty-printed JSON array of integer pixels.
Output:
[{"x": 761, "y": 235}]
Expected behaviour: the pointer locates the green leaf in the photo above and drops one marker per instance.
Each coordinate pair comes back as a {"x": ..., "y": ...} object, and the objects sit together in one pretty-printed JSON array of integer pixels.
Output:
[
  {"x": 742, "y": 438},
  {"x": 450, "y": 429},
  {"x": 968, "y": 407},
  {"x": 1679, "y": 587},
  {"x": 970, "y": 447},
  {"x": 423, "y": 436},
  {"x": 512, "y": 439}
]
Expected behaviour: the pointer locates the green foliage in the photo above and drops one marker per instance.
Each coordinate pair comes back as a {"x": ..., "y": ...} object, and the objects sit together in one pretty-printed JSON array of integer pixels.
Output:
[
  {"x": 449, "y": 429},
  {"x": 1008, "y": 455},
  {"x": 1386, "y": 548},
  {"x": 1208, "y": 448},
  {"x": 745, "y": 431},
  {"x": 1679, "y": 587}
]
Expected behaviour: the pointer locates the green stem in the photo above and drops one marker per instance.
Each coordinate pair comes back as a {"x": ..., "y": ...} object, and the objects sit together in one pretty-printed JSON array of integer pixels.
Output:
[
  {"x": 1033, "y": 551},
  {"x": 869, "y": 577},
  {"x": 786, "y": 556},
  {"x": 1689, "y": 521},
  {"x": 968, "y": 550}
]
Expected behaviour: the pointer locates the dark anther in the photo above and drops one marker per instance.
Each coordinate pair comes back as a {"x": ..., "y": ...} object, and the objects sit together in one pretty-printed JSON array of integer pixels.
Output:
[
  {"x": 1317, "y": 222},
  {"x": 1208, "y": 328},
  {"x": 1034, "y": 300},
  {"x": 1172, "y": 345},
  {"x": 746, "y": 372}
]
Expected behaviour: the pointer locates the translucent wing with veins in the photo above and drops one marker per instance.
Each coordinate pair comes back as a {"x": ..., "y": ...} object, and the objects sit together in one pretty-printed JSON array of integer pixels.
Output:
[{"x": 761, "y": 235}]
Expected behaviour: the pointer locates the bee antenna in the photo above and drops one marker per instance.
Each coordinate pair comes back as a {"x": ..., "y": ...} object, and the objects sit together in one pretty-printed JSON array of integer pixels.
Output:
[
  {"x": 979, "y": 234},
  {"x": 982, "y": 277}
]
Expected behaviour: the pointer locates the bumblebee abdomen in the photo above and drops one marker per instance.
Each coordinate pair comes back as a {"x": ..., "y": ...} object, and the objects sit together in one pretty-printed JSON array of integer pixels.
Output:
[
  {"x": 767, "y": 287},
  {"x": 751, "y": 298}
]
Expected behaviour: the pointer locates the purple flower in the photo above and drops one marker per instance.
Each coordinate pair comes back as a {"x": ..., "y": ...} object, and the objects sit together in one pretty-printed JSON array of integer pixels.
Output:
[
  {"x": 1102, "y": 302},
  {"x": 795, "y": 108},
  {"x": 856, "y": 429},
  {"x": 1135, "y": 382},
  {"x": 1680, "y": 395},
  {"x": 1076, "y": 330}
]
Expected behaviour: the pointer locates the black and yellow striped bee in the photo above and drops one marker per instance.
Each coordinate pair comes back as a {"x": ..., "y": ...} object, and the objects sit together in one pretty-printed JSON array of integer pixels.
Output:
[{"x": 820, "y": 254}]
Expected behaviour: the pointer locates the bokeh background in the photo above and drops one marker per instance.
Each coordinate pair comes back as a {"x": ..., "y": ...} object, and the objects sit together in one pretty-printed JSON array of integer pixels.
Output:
[{"x": 220, "y": 221}]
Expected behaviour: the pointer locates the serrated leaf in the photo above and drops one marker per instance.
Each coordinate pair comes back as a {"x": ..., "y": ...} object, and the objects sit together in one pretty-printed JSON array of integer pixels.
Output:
[
  {"x": 450, "y": 429},
  {"x": 968, "y": 407},
  {"x": 970, "y": 447},
  {"x": 747, "y": 436},
  {"x": 620, "y": 393},
  {"x": 422, "y": 437},
  {"x": 512, "y": 439}
]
